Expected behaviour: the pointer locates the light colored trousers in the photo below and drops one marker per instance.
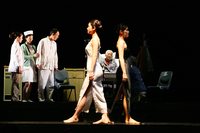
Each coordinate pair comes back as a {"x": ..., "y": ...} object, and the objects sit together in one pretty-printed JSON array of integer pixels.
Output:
[{"x": 45, "y": 80}]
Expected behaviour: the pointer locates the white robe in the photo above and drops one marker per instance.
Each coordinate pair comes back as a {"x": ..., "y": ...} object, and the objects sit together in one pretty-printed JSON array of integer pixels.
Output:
[
  {"x": 97, "y": 93},
  {"x": 48, "y": 60},
  {"x": 16, "y": 57}
]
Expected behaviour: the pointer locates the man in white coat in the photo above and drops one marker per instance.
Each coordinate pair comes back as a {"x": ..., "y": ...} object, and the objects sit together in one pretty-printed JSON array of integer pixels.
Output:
[{"x": 47, "y": 63}]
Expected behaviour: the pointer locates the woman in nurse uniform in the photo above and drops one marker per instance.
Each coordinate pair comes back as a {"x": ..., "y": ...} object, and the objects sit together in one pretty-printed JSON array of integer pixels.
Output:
[{"x": 29, "y": 75}]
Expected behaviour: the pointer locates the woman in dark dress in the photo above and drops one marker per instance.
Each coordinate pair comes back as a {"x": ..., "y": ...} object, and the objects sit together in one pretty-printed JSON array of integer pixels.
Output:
[{"x": 123, "y": 77}]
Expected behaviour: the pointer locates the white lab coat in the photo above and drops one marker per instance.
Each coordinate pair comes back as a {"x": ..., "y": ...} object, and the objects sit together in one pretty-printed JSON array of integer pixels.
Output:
[
  {"x": 48, "y": 58},
  {"x": 16, "y": 57}
]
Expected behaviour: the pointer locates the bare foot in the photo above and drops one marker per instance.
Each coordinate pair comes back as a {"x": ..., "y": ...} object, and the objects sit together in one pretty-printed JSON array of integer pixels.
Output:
[
  {"x": 109, "y": 121},
  {"x": 71, "y": 120},
  {"x": 104, "y": 120},
  {"x": 101, "y": 121},
  {"x": 132, "y": 122}
]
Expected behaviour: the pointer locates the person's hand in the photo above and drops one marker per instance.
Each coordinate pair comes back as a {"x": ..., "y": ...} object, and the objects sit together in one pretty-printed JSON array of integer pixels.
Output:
[
  {"x": 20, "y": 70},
  {"x": 36, "y": 55},
  {"x": 55, "y": 69},
  {"x": 124, "y": 77},
  {"x": 91, "y": 76},
  {"x": 39, "y": 66}
]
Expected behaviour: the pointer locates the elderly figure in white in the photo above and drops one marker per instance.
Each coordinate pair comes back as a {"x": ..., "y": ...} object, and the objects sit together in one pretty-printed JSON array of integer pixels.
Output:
[
  {"x": 47, "y": 63},
  {"x": 109, "y": 63}
]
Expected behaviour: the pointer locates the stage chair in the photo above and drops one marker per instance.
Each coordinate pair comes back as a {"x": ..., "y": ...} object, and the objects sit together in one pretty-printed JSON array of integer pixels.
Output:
[
  {"x": 62, "y": 82},
  {"x": 164, "y": 83}
]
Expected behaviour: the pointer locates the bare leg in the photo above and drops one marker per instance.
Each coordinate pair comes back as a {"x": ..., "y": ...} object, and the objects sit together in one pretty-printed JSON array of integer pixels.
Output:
[
  {"x": 120, "y": 93},
  {"x": 105, "y": 118},
  {"x": 79, "y": 108},
  {"x": 118, "y": 97},
  {"x": 125, "y": 106},
  {"x": 25, "y": 90},
  {"x": 128, "y": 119},
  {"x": 29, "y": 91}
]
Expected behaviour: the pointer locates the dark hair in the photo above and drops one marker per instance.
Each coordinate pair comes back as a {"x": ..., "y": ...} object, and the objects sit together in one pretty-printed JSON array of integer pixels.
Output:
[
  {"x": 133, "y": 60},
  {"x": 119, "y": 27},
  {"x": 14, "y": 35},
  {"x": 53, "y": 31},
  {"x": 28, "y": 35},
  {"x": 96, "y": 23}
]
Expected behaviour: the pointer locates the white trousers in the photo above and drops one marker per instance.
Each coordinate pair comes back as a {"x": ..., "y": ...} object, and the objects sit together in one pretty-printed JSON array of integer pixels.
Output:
[{"x": 45, "y": 80}]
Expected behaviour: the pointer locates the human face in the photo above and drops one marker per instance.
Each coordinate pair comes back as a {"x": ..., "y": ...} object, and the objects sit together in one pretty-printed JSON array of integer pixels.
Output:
[
  {"x": 126, "y": 33},
  {"x": 19, "y": 39},
  {"x": 29, "y": 39},
  {"x": 90, "y": 30},
  {"x": 56, "y": 35},
  {"x": 109, "y": 56}
]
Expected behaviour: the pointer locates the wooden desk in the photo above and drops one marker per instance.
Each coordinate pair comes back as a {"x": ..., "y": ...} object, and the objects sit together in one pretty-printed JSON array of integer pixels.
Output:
[{"x": 76, "y": 77}]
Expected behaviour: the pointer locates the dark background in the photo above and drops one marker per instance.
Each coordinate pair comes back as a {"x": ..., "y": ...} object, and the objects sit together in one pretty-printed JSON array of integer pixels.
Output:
[{"x": 172, "y": 30}]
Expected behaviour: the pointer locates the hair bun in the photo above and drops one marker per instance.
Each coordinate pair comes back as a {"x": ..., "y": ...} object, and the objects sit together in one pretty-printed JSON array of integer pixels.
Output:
[
  {"x": 14, "y": 35},
  {"x": 96, "y": 23}
]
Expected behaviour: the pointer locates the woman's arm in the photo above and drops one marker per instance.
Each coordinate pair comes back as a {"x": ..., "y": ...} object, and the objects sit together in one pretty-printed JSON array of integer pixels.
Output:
[
  {"x": 94, "y": 44},
  {"x": 19, "y": 59},
  {"x": 120, "y": 47},
  {"x": 25, "y": 51}
]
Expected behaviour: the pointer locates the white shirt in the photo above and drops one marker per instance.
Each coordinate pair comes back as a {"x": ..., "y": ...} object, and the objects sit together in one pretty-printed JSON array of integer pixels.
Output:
[
  {"x": 48, "y": 58},
  {"x": 16, "y": 57}
]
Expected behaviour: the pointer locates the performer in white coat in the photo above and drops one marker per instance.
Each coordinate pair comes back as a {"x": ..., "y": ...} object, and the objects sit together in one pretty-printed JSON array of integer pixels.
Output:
[
  {"x": 16, "y": 64},
  {"x": 47, "y": 63}
]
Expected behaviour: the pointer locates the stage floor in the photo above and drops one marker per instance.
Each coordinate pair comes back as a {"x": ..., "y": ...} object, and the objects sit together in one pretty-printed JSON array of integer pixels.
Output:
[
  {"x": 60, "y": 127},
  {"x": 90, "y": 123},
  {"x": 48, "y": 117}
]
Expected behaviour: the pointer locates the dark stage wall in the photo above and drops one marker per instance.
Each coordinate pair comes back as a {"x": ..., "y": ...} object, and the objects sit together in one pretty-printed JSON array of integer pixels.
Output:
[{"x": 172, "y": 30}]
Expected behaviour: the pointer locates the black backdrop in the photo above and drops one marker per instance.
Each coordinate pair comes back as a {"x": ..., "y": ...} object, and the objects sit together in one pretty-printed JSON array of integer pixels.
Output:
[{"x": 172, "y": 30}]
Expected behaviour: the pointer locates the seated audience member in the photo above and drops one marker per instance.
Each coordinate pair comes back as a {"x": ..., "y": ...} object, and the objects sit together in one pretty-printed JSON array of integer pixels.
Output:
[
  {"x": 109, "y": 63},
  {"x": 138, "y": 89}
]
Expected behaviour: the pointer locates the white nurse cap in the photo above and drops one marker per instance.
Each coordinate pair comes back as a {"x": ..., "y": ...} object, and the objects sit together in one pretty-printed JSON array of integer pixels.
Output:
[{"x": 29, "y": 32}]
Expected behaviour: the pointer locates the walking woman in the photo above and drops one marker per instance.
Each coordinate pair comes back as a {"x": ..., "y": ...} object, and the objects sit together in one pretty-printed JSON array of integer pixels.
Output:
[
  {"x": 92, "y": 87},
  {"x": 29, "y": 75},
  {"x": 123, "y": 78},
  {"x": 16, "y": 64}
]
